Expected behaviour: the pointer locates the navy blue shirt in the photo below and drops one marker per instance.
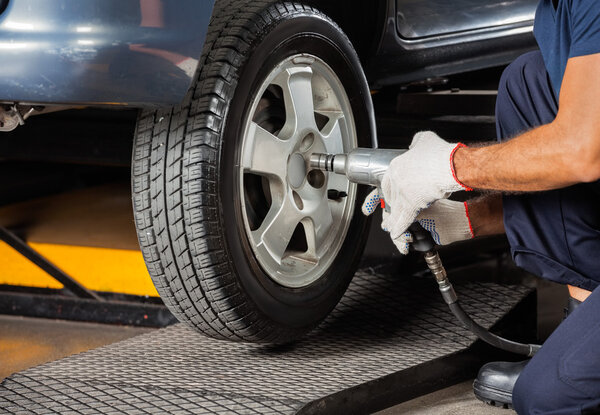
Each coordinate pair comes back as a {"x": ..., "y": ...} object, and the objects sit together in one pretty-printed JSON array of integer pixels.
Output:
[{"x": 565, "y": 29}]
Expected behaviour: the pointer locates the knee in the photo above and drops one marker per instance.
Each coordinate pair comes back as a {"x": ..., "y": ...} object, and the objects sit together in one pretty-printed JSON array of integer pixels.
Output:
[
  {"x": 519, "y": 74},
  {"x": 517, "y": 78}
]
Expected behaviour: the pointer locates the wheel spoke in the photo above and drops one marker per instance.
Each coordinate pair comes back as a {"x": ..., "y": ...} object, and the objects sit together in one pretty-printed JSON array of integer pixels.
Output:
[
  {"x": 265, "y": 154},
  {"x": 332, "y": 131},
  {"x": 296, "y": 84},
  {"x": 277, "y": 229},
  {"x": 317, "y": 228}
]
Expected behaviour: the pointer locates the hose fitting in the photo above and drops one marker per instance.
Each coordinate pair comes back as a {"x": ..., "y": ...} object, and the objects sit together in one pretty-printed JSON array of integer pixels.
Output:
[{"x": 434, "y": 262}]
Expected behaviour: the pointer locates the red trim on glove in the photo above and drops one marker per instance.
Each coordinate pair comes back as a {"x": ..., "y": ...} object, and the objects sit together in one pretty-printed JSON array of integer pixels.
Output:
[
  {"x": 459, "y": 145},
  {"x": 469, "y": 219},
  {"x": 382, "y": 203}
]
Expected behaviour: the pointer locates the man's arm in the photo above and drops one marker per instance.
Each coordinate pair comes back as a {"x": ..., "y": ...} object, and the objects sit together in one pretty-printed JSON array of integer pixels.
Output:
[
  {"x": 559, "y": 154},
  {"x": 486, "y": 215}
]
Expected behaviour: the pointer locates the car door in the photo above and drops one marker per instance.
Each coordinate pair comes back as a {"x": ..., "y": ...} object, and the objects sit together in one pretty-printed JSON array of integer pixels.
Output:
[{"x": 426, "y": 18}]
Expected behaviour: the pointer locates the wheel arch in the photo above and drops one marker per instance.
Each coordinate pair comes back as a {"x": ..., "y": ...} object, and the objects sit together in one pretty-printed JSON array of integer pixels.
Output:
[{"x": 362, "y": 21}]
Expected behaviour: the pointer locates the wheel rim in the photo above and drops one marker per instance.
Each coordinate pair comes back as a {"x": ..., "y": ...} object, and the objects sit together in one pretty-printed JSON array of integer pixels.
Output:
[{"x": 294, "y": 228}]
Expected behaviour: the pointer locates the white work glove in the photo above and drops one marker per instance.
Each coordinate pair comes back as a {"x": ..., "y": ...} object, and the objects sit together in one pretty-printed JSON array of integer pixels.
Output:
[
  {"x": 417, "y": 178},
  {"x": 447, "y": 221}
]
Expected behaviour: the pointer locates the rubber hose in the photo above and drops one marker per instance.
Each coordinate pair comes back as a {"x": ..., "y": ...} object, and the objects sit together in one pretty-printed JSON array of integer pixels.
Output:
[{"x": 490, "y": 338}]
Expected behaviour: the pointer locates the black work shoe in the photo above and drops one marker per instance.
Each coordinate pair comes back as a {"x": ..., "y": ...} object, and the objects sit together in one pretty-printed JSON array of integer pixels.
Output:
[{"x": 495, "y": 382}]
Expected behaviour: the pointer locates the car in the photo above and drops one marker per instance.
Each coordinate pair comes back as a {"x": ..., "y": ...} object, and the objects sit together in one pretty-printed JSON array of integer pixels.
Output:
[{"x": 243, "y": 240}]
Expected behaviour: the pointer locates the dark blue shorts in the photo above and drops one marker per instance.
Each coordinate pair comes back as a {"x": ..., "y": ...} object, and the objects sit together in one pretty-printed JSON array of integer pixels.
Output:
[{"x": 555, "y": 235}]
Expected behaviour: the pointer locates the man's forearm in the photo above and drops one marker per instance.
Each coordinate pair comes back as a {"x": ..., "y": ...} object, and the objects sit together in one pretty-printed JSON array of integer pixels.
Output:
[
  {"x": 538, "y": 160},
  {"x": 486, "y": 215},
  {"x": 559, "y": 154}
]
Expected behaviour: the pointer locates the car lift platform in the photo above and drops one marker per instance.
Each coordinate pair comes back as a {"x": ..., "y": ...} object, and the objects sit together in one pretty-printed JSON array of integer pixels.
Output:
[{"x": 389, "y": 340}]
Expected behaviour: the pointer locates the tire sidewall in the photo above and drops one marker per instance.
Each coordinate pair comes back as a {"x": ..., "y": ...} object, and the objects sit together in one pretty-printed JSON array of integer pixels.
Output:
[{"x": 303, "y": 33}]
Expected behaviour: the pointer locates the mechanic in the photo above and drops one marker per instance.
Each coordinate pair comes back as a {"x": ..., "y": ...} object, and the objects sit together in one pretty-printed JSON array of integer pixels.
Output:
[{"x": 545, "y": 173}]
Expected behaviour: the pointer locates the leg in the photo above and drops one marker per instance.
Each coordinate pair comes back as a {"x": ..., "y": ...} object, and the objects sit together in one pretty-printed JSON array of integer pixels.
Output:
[
  {"x": 525, "y": 97},
  {"x": 556, "y": 234},
  {"x": 564, "y": 377}
]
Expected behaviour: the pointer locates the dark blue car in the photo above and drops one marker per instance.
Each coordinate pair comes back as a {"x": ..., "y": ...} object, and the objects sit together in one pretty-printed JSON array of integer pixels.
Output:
[{"x": 242, "y": 240}]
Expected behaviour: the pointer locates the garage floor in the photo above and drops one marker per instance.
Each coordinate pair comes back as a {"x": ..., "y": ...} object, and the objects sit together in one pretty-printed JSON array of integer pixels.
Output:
[{"x": 455, "y": 400}]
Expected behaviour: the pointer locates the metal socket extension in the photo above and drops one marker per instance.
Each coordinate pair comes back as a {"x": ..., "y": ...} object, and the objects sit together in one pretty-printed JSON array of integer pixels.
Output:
[{"x": 362, "y": 165}]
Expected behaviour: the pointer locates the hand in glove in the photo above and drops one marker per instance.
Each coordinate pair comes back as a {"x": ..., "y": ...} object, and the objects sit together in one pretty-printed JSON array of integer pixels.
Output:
[
  {"x": 416, "y": 179},
  {"x": 446, "y": 220}
]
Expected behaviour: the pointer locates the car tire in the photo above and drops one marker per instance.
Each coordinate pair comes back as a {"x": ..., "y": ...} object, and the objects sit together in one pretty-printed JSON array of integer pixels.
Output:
[{"x": 201, "y": 213}]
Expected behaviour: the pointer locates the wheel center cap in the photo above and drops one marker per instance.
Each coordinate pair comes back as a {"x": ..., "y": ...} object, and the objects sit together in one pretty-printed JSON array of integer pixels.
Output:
[{"x": 296, "y": 170}]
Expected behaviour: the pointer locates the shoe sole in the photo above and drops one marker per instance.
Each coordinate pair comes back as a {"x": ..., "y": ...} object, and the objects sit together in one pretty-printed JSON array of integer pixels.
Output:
[{"x": 492, "y": 396}]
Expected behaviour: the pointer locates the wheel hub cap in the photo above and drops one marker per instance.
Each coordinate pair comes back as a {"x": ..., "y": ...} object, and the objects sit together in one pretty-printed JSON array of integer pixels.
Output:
[{"x": 296, "y": 170}]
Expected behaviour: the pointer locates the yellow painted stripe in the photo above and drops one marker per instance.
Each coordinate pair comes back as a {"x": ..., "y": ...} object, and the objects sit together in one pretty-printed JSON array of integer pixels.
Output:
[
  {"x": 16, "y": 270},
  {"x": 99, "y": 269}
]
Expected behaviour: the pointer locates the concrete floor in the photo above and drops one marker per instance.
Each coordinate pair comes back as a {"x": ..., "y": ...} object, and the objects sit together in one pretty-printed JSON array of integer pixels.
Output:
[{"x": 455, "y": 400}]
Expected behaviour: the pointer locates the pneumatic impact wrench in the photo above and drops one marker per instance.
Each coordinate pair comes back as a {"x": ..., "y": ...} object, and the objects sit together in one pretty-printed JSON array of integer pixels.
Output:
[{"x": 368, "y": 166}]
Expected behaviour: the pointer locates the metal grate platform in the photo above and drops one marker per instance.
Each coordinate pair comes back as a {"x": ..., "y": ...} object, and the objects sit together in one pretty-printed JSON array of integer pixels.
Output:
[{"x": 383, "y": 337}]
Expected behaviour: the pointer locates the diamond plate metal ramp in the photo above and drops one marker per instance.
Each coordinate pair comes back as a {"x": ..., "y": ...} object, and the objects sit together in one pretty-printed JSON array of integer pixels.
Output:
[{"x": 389, "y": 339}]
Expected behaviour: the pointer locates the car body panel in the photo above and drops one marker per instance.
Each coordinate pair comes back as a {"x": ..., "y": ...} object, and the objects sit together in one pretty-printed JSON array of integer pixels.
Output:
[
  {"x": 119, "y": 52},
  {"x": 418, "y": 19},
  {"x": 399, "y": 60}
]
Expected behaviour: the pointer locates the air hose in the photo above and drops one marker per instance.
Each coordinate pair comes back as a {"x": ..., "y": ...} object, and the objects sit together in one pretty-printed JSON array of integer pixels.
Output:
[{"x": 422, "y": 242}]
